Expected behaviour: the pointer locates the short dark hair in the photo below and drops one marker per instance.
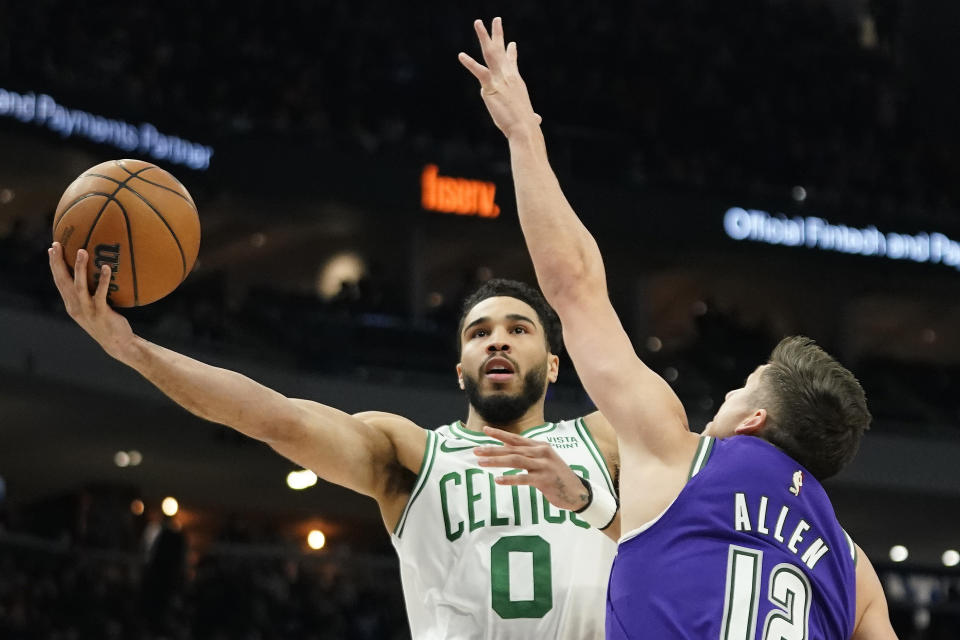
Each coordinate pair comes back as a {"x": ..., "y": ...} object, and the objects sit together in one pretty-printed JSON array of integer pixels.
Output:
[
  {"x": 496, "y": 287},
  {"x": 816, "y": 409}
]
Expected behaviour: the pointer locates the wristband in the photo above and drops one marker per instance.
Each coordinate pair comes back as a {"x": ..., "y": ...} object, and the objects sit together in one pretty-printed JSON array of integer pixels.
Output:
[{"x": 601, "y": 507}]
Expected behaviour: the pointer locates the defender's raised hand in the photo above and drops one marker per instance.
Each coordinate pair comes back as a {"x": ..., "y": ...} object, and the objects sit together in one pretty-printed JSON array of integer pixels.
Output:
[
  {"x": 91, "y": 312},
  {"x": 501, "y": 86}
]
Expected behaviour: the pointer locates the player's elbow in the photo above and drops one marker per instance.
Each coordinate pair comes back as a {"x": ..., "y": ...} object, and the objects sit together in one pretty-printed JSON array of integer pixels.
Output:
[
  {"x": 576, "y": 290},
  {"x": 571, "y": 278},
  {"x": 283, "y": 424}
]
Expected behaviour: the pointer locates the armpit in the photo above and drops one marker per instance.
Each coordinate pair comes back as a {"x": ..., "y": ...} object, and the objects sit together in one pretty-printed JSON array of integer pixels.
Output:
[{"x": 399, "y": 479}]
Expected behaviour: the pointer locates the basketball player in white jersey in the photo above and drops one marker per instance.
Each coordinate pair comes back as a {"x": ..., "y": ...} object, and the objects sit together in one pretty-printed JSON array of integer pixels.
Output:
[{"x": 480, "y": 558}]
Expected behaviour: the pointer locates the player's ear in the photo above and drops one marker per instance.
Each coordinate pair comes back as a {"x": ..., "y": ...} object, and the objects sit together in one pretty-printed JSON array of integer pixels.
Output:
[
  {"x": 752, "y": 424},
  {"x": 460, "y": 375},
  {"x": 553, "y": 367}
]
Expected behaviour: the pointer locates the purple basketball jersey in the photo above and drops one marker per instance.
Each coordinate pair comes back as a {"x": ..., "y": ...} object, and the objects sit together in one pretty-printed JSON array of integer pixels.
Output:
[{"x": 750, "y": 550}]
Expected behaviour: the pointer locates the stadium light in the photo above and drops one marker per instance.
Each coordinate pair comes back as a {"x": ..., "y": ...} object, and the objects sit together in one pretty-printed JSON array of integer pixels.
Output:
[
  {"x": 299, "y": 480},
  {"x": 899, "y": 553},
  {"x": 316, "y": 540},
  {"x": 170, "y": 506},
  {"x": 951, "y": 558}
]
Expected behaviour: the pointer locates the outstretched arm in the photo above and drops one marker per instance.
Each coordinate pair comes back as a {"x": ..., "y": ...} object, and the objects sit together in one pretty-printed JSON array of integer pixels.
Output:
[
  {"x": 645, "y": 412},
  {"x": 336, "y": 446}
]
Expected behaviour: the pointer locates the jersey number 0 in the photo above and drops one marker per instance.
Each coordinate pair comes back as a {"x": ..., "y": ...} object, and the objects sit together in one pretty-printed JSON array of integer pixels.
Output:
[{"x": 530, "y": 575}]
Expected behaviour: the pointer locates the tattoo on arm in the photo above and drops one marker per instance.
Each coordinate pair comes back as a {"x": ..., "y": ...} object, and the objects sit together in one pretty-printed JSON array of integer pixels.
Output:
[{"x": 565, "y": 496}]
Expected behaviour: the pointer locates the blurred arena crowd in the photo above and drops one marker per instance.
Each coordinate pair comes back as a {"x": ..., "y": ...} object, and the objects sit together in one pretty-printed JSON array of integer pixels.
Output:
[
  {"x": 51, "y": 592},
  {"x": 745, "y": 97},
  {"x": 267, "y": 591}
]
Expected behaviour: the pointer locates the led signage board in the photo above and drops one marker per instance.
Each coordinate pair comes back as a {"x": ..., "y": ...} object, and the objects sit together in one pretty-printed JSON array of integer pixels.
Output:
[
  {"x": 144, "y": 139},
  {"x": 812, "y": 232},
  {"x": 459, "y": 196}
]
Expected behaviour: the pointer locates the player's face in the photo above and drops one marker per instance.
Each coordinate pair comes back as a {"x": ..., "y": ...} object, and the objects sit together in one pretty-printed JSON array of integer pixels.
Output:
[
  {"x": 504, "y": 357},
  {"x": 738, "y": 406}
]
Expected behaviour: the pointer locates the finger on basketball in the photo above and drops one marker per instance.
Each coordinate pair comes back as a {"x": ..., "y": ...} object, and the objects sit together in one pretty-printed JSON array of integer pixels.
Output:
[
  {"x": 103, "y": 286},
  {"x": 80, "y": 273},
  {"x": 61, "y": 277}
]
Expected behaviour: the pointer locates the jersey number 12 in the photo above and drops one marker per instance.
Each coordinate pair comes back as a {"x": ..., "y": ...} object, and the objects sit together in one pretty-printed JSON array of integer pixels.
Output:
[{"x": 788, "y": 590}]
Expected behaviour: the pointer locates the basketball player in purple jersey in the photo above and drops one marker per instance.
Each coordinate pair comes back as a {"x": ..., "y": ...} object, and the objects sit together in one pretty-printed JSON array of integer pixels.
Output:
[{"x": 730, "y": 534}]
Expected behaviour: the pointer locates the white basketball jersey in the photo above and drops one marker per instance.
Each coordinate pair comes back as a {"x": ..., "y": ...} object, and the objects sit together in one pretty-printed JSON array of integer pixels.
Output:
[{"x": 481, "y": 560}]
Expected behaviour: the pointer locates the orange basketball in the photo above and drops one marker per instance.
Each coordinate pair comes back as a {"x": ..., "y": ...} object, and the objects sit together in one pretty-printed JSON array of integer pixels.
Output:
[{"x": 135, "y": 217}]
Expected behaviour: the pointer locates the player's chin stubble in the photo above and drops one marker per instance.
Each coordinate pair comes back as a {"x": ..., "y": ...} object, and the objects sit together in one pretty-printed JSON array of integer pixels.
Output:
[{"x": 502, "y": 408}]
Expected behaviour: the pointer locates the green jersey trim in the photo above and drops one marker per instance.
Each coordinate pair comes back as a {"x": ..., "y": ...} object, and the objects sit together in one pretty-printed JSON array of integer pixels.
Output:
[
  {"x": 704, "y": 449},
  {"x": 461, "y": 431},
  {"x": 539, "y": 430},
  {"x": 426, "y": 465},
  {"x": 595, "y": 451}
]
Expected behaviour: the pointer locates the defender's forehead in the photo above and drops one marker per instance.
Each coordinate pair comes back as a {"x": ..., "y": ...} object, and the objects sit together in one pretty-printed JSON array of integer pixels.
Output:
[
  {"x": 499, "y": 308},
  {"x": 754, "y": 378}
]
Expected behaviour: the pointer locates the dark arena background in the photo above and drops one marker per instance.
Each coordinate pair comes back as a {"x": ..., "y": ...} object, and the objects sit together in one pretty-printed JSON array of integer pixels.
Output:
[{"x": 750, "y": 168}]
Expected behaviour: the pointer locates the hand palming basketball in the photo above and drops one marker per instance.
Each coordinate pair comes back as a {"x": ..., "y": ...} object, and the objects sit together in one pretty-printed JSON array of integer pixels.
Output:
[{"x": 136, "y": 219}]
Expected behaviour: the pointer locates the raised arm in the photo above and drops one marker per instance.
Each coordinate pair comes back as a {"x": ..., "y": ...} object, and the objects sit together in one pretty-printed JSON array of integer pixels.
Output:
[
  {"x": 336, "y": 446},
  {"x": 640, "y": 405}
]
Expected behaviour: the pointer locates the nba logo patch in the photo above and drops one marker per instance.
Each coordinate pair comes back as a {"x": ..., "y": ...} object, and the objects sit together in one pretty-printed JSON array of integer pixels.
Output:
[{"x": 797, "y": 483}]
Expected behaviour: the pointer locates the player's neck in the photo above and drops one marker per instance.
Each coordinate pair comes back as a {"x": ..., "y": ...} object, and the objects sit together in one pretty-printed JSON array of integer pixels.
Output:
[{"x": 532, "y": 418}]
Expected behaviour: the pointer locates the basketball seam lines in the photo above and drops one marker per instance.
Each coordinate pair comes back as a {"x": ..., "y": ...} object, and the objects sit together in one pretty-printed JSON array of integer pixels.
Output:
[
  {"x": 138, "y": 177},
  {"x": 96, "y": 220},
  {"x": 183, "y": 257},
  {"x": 124, "y": 185},
  {"x": 133, "y": 262},
  {"x": 173, "y": 177},
  {"x": 110, "y": 197},
  {"x": 56, "y": 223},
  {"x": 86, "y": 241}
]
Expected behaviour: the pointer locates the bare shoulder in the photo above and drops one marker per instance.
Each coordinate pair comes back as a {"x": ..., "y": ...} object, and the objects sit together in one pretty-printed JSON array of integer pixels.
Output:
[
  {"x": 606, "y": 438},
  {"x": 600, "y": 428},
  {"x": 602, "y": 432},
  {"x": 407, "y": 437}
]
